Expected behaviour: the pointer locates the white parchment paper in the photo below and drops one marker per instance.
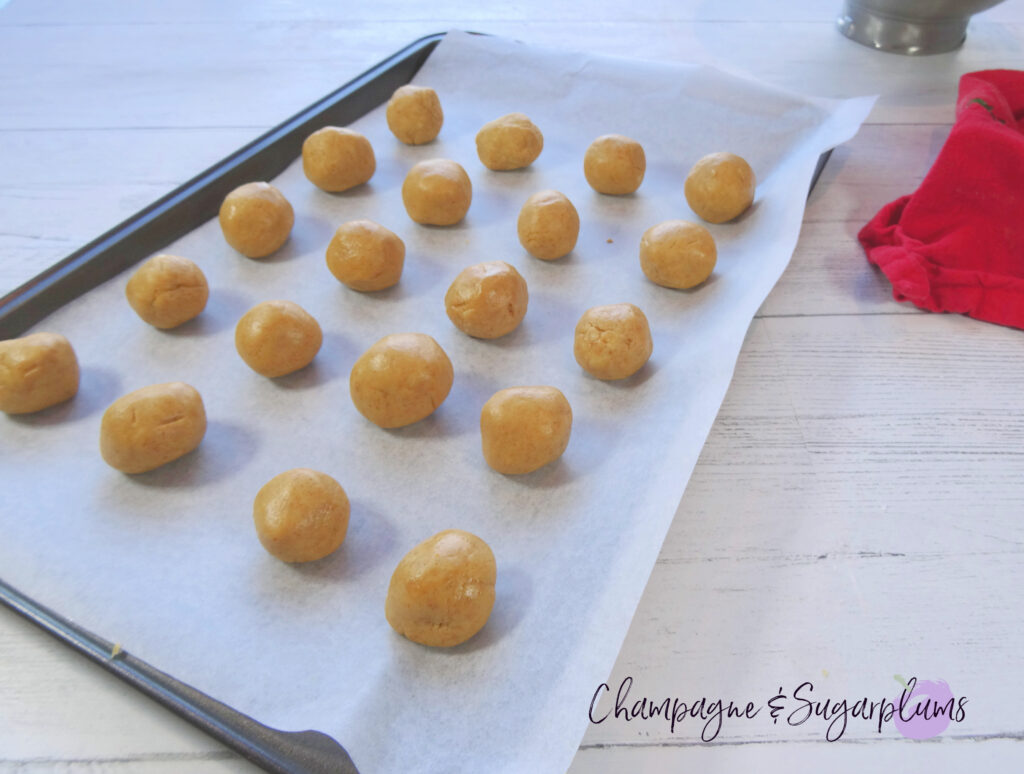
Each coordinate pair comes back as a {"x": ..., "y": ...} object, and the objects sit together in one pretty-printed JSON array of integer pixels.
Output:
[{"x": 167, "y": 563}]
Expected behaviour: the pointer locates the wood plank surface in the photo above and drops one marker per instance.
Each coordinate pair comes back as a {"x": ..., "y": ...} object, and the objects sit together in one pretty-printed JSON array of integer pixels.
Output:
[{"x": 855, "y": 511}]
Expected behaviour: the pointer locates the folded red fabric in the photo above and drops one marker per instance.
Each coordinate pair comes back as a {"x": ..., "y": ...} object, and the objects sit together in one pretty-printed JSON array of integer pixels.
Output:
[{"x": 957, "y": 243}]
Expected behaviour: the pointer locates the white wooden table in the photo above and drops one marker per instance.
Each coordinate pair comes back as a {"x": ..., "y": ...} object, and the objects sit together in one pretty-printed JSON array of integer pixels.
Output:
[{"x": 856, "y": 511}]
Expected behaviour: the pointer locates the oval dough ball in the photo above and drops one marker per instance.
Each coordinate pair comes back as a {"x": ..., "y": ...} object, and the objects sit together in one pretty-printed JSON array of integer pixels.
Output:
[
  {"x": 442, "y": 591},
  {"x": 256, "y": 219},
  {"x": 414, "y": 114},
  {"x": 510, "y": 142},
  {"x": 167, "y": 290},
  {"x": 524, "y": 428},
  {"x": 548, "y": 225},
  {"x": 437, "y": 192},
  {"x": 366, "y": 256},
  {"x": 487, "y": 300},
  {"x": 614, "y": 164},
  {"x": 36, "y": 371},
  {"x": 301, "y": 515},
  {"x": 720, "y": 187},
  {"x": 336, "y": 159},
  {"x": 677, "y": 254},
  {"x": 613, "y": 342},
  {"x": 150, "y": 427},
  {"x": 277, "y": 338},
  {"x": 401, "y": 379}
]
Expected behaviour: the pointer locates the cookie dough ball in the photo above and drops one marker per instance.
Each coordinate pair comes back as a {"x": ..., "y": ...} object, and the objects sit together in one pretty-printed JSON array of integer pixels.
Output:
[
  {"x": 509, "y": 142},
  {"x": 548, "y": 225},
  {"x": 401, "y": 379},
  {"x": 414, "y": 114},
  {"x": 677, "y": 254},
  {"x": 524, "y": 428},
  {"x": 301, "y": 515},
  {"x": 437, "y": 192},
  {"x": 487, "y": 300},
  {"x": 442, "y": 591},
  {"x": 614, "y": 164},
  {"x": 167, "y": 290},
  {"x": 613, "y": 342},
  {"x": 277, "y": 337},
  {"x": 150, "y": 427},
  {"x": 720, "y": 187},
  {"x": 36, "y": 372},
  {"x": 336, "y": 159},
  {"x": 366, "y": 256},
  {"x": 256, "y": 219}
]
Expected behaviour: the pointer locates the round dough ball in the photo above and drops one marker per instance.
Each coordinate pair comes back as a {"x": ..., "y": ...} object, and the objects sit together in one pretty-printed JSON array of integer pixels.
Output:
[
  {"x": 414, "y": 114},
  {"x": 524, "y": 428},
  {"x": 720, "y": 187},
  {"x": 614, "y": 164},
  {"x": 548, "y": 225},
  {"x": 301, "y": 515},
  {"x": 36, "y": 371},
  {"x": 256, "y": 219},
  {"x": 277, "y": 337},
  {"x": 366, "y": 256},
  {"x": 437, "y": 192},
  {"x": 677, "y": 254},
  {"x": 442, "y": 591},
  {"x": 613, "y": 342},
  {"x": 336, "y": 159},
  {"x": 487, "y": 300},
  {"x": 150, "y": 427},
  {"x": 167, "y": 290},
  {"x": 509, "y": 142},
  {"x": 401, "y": 379}
]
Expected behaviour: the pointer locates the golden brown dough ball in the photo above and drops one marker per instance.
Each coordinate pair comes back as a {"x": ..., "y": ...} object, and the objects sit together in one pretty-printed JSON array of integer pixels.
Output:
[
  {"x": 437, "y": 192},
  {"x": 614, "y": 164},
  {"x": 442, "y": 591},
  {"x": 277, "y": 337},
  {"x": 487, "y": 300},
  {"x": 150, "y": 427},
  {"x": 301, "y": 515},
  {"x": 613, "y": 341},
  {"x": 401, "y": 379},
  {"x": 677, "y": 254},
  {"x": 256, "y": 219},
  {"x": 366, "y": 256},
  {"x": 509, "y": 142},
  {"x": 548, "y": 225},
  {"x": 414, "y": 114},
  {"x": 336, "y": 159},
  {"x": 524, "y": 428},
  {"x": 36, "y": 371},
  {"x": 167, "y": 290},
  {"x": 720, "y": 187}
]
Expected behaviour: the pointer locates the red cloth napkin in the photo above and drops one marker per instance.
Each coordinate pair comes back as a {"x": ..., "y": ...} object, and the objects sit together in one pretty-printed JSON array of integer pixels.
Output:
[{"x": 957, "y": 243}]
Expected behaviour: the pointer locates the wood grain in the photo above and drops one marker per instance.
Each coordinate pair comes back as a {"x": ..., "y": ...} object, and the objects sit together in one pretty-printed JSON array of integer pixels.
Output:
[{"x": 855, "y": 510}]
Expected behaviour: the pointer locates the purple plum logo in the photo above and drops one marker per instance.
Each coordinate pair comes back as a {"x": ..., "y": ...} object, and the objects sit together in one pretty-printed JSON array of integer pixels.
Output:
[{"x": 925, "y": 708}]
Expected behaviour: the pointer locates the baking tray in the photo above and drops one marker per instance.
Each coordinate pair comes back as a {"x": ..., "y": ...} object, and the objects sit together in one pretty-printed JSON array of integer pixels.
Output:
[{"x": 138, "y": 237}]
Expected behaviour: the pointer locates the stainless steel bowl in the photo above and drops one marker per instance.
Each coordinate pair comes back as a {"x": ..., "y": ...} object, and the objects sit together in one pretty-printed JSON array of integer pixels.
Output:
[{"x": 910, "y": 26}]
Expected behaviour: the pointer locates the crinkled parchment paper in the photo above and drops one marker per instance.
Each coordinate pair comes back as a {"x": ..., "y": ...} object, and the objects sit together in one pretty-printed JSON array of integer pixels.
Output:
[{"x": 167, "y": 563}]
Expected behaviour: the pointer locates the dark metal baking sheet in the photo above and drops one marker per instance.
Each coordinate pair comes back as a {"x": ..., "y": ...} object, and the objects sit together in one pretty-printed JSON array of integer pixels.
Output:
[{"x": 138, "y": 237}]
